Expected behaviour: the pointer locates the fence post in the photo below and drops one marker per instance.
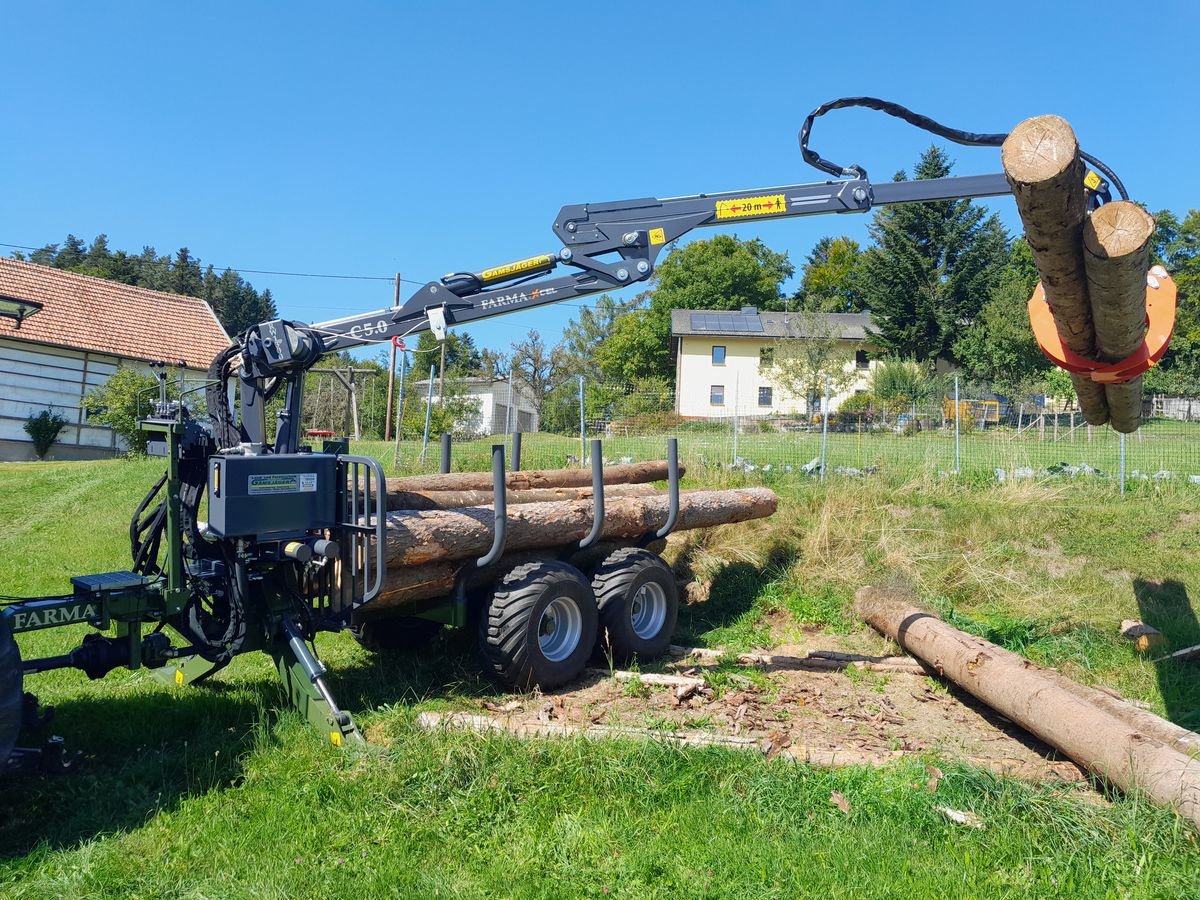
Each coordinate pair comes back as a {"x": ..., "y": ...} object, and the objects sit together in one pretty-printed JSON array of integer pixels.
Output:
[
  {"x": 736, "y": 385},
  {"x": 824, "y": 427},
  {"x": 446, "y": 439},
  {"x": 582, "y": 426},
  {"x": 1122, "y": 474},
  {"x": 428, "y": 415},
  {"x": 508, "y": 415},
  {"x": 957, "y": 436}
]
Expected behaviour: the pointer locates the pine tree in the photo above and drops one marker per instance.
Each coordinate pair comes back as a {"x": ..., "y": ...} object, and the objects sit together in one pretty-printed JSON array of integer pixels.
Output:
[{"x": 931, "y": 268}]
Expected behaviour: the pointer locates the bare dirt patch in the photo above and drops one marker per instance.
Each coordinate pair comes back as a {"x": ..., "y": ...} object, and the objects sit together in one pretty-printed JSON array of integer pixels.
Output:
[
  {"x": 1058, "y": 565},
  {"x": 866, "y": 716}
]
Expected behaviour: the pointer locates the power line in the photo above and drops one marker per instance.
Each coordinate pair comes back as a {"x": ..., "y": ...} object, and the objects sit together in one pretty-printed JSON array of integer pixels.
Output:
[{"x": 240, "y": 270}]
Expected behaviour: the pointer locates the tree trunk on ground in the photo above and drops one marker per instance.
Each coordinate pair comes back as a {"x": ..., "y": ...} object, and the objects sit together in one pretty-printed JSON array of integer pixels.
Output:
[
  {"x": 1116, "y": 255},
  {"x": 1042, "y": 163},
  {"x": 415, "y": 538},
  {"x": 454, "y": 499},
  {"x": 407, "y": 586},
  {"x": 1093, "y": 736},
  {"x": 631, "y": 473}
]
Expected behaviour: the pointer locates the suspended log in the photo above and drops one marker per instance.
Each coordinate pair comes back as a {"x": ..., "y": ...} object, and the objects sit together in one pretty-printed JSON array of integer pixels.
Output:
[
  {"x": 629, "y": 473},
  {"x": 454, "y": 499},
  {"x": 1042, "y": 163},
  {"x": 405, "y": 587},
  {"x": 416, "y": 538},
  {"x": 1116, "y": 255},
  {"x": 1093, "y": 735}
]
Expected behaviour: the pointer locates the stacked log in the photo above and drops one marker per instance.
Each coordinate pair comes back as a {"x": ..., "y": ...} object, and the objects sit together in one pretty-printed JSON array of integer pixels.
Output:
[
  {"x": 437, "y": 524},
  {"x": 1093, "y": 268}
]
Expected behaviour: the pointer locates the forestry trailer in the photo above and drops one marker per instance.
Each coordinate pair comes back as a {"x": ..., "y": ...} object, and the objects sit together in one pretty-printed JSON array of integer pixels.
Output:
[{"x": 292, "y": 541}]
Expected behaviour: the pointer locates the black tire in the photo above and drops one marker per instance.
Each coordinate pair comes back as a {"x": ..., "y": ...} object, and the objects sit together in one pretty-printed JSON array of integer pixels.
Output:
[
  {"x": 12, "y": 697},
  {"x": 400, "y": 633},
  {"x": 638, "y": 602},
  {"x": 539, "y": 625}
]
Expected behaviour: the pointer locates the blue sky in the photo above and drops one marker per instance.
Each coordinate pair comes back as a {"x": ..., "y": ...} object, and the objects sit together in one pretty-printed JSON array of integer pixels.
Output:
[{"x": 370, "y": 138}]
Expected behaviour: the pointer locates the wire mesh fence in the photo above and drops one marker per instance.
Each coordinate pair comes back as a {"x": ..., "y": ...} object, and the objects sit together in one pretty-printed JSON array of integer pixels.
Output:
[{"x": 974, "y": 440}]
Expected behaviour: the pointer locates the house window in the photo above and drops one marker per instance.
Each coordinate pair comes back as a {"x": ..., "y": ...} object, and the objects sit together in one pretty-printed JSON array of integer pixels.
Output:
[
  {"x": 861, "y": 361},
  {"x": 718, "y": 355},
  {"x": 766, "y": 357},
  {"x": 716, "y": 395},
  {"x": 764, "y": 396}
]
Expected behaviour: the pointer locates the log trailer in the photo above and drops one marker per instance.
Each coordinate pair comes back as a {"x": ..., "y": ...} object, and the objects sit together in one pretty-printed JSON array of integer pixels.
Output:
[{"x": 291, "y": 542}]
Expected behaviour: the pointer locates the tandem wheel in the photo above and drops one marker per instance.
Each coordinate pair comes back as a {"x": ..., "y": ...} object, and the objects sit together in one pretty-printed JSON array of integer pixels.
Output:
[
  {"x": 539, "y": 625},
  {"x": 638, "y": 602}
]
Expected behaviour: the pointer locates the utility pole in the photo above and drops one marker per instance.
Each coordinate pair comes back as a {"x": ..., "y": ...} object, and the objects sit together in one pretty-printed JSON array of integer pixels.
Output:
[{"x": 387, "y": 419}]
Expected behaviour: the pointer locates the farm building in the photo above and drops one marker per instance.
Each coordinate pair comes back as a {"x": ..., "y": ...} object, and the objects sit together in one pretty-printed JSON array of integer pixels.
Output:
[
  {"x": 80, "y": 330},
  {"x": 724, "y": 361},
  {"x": 501, "y": 407}
]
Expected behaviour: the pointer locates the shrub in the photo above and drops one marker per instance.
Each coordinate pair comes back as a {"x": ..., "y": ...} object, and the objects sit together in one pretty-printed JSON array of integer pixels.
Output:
[{"x": 44, "y": 429}]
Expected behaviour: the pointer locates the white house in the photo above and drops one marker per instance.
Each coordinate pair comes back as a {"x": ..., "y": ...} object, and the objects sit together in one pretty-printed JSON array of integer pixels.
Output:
[
  {"x": 502, "y": 407},
  {"x": 80, "y": 331},
  {"x": 724, "y": 360}
]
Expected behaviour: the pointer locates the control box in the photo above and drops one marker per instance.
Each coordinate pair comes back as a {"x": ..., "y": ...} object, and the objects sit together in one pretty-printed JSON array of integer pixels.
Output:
[{"x": 271, "y": 496}]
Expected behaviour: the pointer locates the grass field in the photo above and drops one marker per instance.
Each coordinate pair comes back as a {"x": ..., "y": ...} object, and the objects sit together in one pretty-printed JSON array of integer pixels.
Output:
[{"x": 221, "y": 792}]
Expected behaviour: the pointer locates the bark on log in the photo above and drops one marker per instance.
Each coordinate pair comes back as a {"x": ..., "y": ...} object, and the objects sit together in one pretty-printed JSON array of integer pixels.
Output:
[
  {"x": 454, "y": 499},
  {"x": 416, "y": 538},
  {"x": 1042, "y": 163},
  {"x": 1116, "y": 255},
  {"x": 630, "y": 473},
  {"x": 1095, "y": 737},
  {"x": 405, "y": 587}
]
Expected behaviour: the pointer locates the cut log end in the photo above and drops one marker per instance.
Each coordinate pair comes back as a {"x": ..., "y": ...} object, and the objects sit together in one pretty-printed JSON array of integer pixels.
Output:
[
  {"x": 1039, "y": 149},
  {"x": 1117, "y": 229}
]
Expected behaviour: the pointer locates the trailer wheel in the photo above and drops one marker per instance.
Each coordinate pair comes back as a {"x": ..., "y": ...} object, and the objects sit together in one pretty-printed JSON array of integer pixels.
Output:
[
  {"x": 539, "y": 625},
  {"x": 12, "y": 698},
  {"x": 399, "y": 633},
  {"x": 639, "y": 604}
]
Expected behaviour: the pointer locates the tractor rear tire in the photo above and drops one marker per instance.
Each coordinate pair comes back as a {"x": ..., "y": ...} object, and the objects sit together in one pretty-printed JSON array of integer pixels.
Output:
[
  {"x": 12, "y": 697},
  {"x": 639, "y": 604},
  {"x": 539, "y": 625},
  {"x": 401, "y": 633}
]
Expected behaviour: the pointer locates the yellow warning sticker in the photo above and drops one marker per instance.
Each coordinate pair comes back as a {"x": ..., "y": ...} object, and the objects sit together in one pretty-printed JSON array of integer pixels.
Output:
[
  {"x": 657, "y": 236},
  {"x": 335, "y": 738},
  {"x": 179, "y": 676},
  {"x": 741, "y": 207},
  {"x": 517, "y": 268},
  {"x": 1091, "y": 181}
]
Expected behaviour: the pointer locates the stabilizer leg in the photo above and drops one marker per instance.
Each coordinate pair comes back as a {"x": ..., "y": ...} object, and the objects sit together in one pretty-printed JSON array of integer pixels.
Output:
[
  {"x": 188, "y": 670},
  {"x": 304, "y": 678}
]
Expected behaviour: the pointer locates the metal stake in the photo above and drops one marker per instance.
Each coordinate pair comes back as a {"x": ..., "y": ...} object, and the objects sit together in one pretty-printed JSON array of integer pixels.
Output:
[
  {"x": 1122, "y": 463},
  {"x": 957, "y": 437},
  {"x": 824, "y": 427}
]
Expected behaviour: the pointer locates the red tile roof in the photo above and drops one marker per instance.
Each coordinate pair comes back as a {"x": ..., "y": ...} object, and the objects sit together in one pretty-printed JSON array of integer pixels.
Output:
[{"x": 86, "y": 313}]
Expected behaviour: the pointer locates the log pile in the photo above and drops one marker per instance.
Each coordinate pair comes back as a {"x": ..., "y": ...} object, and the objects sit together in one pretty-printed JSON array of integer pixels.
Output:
[
  {"x": 1093, "y": 268},
  {"x": 437, "y": 523},
  {"x": 1131, "y": 748}
]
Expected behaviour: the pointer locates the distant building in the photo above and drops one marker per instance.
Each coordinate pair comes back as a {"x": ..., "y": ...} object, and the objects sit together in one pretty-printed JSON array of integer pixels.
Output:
[
  {"x": 500, "y": 409},
  {"x": 84, "y": 331},
  {"x": 723, "y": 360}
]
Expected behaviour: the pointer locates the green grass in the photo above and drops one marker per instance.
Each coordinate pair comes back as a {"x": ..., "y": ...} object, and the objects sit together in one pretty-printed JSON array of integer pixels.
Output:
[{"x": 221, "y": 791}]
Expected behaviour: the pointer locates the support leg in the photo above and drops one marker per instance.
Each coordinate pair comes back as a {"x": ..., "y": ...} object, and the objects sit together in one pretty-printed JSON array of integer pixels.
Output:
[{"x": 304, "y": 678}]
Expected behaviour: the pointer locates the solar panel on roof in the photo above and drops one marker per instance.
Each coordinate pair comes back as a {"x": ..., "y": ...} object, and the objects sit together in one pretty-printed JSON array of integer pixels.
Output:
[{"x": 725, "y": 324}]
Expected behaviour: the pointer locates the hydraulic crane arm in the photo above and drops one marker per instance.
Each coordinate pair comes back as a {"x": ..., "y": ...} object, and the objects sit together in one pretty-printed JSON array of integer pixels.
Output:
[{"x": 614, "y": 245}]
